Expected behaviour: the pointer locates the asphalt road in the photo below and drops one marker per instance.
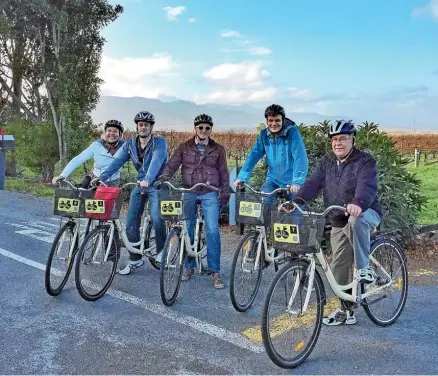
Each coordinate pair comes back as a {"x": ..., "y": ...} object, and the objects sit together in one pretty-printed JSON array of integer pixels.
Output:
[{"x": 130, "y": 331}]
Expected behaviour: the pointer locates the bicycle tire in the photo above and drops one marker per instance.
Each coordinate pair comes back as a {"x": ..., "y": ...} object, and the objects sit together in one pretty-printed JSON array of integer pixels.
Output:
[
  {"x": 81, "y": 286},
  {"x": 272, "y": 352},
  {"x": 147, "y": 244},
  {"x": 174, "y": 233},
  {"x": 238, "y": 305},
  {"x": 54, "y": 291},
  {"x": 368, "y": 305},
  {"x": 202, "y": 249}
]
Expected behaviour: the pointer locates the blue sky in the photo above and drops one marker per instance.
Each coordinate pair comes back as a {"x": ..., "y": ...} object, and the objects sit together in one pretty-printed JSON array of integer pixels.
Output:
[{"x": 374, "y": 60}]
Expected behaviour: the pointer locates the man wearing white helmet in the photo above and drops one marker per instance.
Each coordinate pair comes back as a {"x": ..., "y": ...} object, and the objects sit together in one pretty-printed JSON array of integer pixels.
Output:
[{"x": 148, "y": 152}]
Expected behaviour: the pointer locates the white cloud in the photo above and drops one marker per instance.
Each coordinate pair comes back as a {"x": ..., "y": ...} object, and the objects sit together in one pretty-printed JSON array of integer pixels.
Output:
[
  {"x": 260, "y": 51},
  {"x": 172, "y": 13},
  {"x": 248, "y": 73},
  {"x": 431, "y": 8},
  {"x": 231, "y": 34},
  {"x": 133, "y": 76},
  {"x": 240, "y": 96},
  {"x": 191, "y": 20},
  {"x": 298, "y": 93}
]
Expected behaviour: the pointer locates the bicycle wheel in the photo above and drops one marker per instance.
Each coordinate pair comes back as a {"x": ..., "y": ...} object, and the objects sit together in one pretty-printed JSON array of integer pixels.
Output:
[
  {"x": 202, "y": 249},
  {"x": 384, "y": 307},
  {"x": 171, "y": 267},
  {"x": 93, "y": 274},
  {"x": 61, "y": 258},
  {"x": 289, "y": 335},
  {"x": 245, "y": 280},
  {"x": 148, "y": 242}
]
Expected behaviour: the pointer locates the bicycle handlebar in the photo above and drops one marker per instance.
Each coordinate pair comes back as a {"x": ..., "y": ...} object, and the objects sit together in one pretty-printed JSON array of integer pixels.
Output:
[
  {"x": 71, "y": 185},
  {"x": 323, "y": 214},
  {"x": 277, "y": 190},
  {"x": 205, "y": 185}
]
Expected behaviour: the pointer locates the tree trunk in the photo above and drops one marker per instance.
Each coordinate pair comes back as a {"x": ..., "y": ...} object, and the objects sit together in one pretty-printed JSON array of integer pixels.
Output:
[{"x": 48, "y": 172}]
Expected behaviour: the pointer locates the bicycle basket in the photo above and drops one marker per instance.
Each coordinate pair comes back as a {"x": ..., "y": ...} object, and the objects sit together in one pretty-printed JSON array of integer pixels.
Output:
[
  {"x": 172, "y": 206},
  {"x": 249, "y": 208},
  {"x": 296, "y": 232},
  {"x": 106, "y": 204},
  {"x": 70, "y": 202}
]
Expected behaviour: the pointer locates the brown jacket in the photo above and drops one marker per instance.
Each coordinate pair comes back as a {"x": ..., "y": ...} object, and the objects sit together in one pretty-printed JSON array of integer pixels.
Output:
[{"x": 196, "y": 168}]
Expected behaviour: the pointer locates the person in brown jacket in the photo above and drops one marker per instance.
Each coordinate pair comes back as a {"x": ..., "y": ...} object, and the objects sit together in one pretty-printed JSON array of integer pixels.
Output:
[{"x": 202, "y": 160}]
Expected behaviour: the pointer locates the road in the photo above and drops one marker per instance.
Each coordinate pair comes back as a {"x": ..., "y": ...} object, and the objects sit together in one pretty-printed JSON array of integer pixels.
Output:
[{"x": 129, "y": 331}]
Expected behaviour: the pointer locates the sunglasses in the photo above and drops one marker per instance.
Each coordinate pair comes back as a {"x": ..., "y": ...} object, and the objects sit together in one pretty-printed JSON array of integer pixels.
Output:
[{"x": 201, "y": 128}]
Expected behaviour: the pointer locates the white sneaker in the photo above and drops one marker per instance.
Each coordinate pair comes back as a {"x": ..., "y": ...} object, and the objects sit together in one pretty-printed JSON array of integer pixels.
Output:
[
  {"x": 130, "y": 266},
  {"x": 340, "y": 317},
  {"x": 366, "y": 275}
]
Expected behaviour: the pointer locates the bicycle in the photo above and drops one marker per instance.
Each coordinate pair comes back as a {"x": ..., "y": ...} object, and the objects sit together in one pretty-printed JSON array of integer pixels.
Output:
[
  {"x": 66, "y": 207},
  {"x": 178, "y": 245},
  {"x": 252, "y": 249},
  {"x": 296, "y": 311},
  {"x": 104, "y": 242}
]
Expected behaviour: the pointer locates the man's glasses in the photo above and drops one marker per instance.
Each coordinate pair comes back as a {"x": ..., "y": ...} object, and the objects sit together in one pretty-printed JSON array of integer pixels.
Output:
[
  {"x": 341, "y": 140},
  {"x": 201, "y": 128}
]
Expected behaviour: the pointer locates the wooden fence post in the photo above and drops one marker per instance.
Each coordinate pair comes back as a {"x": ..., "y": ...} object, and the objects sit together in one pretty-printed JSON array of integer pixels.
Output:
[{"x": 417, "y": 158}]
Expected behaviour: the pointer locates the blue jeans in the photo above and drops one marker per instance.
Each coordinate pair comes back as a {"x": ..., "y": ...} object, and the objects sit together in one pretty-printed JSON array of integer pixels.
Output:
[
  {"x": 137, "y": 203},
  {"x": 210, "y": 211}
]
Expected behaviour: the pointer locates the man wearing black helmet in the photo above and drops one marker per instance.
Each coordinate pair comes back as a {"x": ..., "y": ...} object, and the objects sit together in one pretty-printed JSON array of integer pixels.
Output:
[
  {"x": 148, "y": 152},
  {"x": 348, "y": 177},
  {"x": 286, "y": 157},
  {"x": 201, "y": 160},
  {"x": 103, "y": 151}
]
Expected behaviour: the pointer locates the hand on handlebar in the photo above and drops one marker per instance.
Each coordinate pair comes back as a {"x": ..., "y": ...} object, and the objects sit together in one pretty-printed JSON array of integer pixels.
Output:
[
  {"x": 143, "y": 184},
  {"x": 293, "y": 188},
  {"x": 57, "y": 179},
  {"x": 238, "y": 183},
  {"x": 353, "y": 210}
]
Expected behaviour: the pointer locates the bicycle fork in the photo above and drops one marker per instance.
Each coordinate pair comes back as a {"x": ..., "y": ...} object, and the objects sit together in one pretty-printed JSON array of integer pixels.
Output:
[{"x": 310, "y": 274}]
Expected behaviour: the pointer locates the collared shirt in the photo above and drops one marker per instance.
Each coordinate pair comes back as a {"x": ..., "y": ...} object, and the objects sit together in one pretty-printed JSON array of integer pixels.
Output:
[{"x": 201, "y": 144}]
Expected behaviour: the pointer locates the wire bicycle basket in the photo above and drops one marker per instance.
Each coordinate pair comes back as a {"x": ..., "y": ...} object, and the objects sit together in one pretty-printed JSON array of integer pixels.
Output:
[
  {"x": 172, "y": 206},
  {"x": 249, "y": 208},
  {"x": 70, "y": 202}
]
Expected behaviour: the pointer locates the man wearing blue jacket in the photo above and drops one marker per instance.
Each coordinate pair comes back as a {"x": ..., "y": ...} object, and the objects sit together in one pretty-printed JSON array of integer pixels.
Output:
[
  {"x": 286, "y": 157},
  {"x": 103, "y": 151},
  {"x": 148, "y": 153}
]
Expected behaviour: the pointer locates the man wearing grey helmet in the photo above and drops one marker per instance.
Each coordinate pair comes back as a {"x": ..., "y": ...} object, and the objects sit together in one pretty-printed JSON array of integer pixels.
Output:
[{"x": 148, "y": 152}]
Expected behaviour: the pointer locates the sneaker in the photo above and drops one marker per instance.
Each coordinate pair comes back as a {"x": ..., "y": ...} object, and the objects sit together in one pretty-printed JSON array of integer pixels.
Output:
[
  {"x": 366, "y": 275},
  {"x": 159, "y": 257},
  {"x": 187, "y": 274},
  {"x": 130, "y": 266},
  {"x": 218, "y": 283},
  {"x": 340, "y": 317}
]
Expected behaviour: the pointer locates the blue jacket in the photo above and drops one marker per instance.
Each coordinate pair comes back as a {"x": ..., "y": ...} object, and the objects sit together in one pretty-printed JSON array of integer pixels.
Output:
[
  {"x": 102, "y": 159},
  {"x": 154, "y": 160},
  {"x": 286, "y": 157}
]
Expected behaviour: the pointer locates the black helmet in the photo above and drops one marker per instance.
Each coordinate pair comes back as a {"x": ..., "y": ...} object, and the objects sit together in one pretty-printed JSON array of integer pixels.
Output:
[
  {"x": 274, "y": 110},
  {"x": 115, "y": 124},
  {"x": 342, "y": 127},
  {"x": 144, "y": 116},
  {"x": 203, "y": 118}
]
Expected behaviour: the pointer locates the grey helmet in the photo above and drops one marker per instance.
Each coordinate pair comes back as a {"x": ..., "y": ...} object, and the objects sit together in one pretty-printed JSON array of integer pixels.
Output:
[
  {"x": 203, "y": 118},
  {"x": 115, "y": 124},
  {"x": 144, "y": 116}
]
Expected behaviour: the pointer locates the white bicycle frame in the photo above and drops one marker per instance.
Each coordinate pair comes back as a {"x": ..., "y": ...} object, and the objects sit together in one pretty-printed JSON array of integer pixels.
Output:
[{"x": 339, "y": 290}]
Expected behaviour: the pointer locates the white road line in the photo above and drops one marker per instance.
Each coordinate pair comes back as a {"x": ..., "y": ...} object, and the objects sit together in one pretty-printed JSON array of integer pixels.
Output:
[
  {"x": 34, "y": 233},
  {"x": 190, "y": 321}
]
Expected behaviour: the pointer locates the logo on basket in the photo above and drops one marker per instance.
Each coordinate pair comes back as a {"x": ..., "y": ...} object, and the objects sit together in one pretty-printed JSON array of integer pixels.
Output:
[
  {"x": 68, "y": 205},
  {"x": 250, "y": 209},
  {"x": 286, "y": 233},
  {"x": 95, "y": 206},
  {"x": 171, "y": 207}
]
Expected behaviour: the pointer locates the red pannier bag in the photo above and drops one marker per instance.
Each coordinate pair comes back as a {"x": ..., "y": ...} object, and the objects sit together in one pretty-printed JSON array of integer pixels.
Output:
[{"x": 107, "y": 208}]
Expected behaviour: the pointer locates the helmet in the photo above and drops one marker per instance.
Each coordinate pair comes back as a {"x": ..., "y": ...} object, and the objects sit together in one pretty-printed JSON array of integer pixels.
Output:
[
  {"x": 203, "y": 118},
  {"x": 342, "y": 127},
  {"x": 114, "y": 123},
  {"x": 274, "y": 110},
  {"x": 144, "y": 116}
]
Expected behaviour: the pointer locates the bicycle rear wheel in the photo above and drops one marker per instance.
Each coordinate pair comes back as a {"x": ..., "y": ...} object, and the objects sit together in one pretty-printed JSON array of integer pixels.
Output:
[
  {"x": 93, "y": 274},
  {"x": 171, "y": 267},
  {"x": 245, "y": 279},
  {"x": 289, "y": 334},
  {"x": 389, "y": 263},
  {"x": 60, "y": 260}
]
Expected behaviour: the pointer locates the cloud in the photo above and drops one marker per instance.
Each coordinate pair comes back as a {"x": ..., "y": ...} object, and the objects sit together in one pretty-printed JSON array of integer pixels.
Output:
[
  {"x": 294, "y": 92},
  {"x": 260, "y": 51},
  {"x": 247, "y": 73},
  {"x": 142, "y": 76},
  {"x": 239, "y": 96},
  {"x": 231, "y": 34},
  {"x": 430, "y": 9},
  {"x": 172, "y": 13},
  {"x": 191, "y": 20}
]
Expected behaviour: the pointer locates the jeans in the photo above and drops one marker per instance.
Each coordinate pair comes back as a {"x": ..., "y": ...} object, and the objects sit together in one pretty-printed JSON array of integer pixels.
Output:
[
  {"x": 137, "y": 203},
  {"x": 210, "y": 211}
]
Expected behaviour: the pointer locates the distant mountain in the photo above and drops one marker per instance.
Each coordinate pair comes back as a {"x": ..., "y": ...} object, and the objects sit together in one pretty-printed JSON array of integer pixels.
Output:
[{"x": 179, "y": 114}]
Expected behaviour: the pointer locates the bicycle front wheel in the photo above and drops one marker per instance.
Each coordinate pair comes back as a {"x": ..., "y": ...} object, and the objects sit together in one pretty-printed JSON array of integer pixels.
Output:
[
  {"x": 245, "y": 278},
  {"x": 61, "y": 258},
  {"x": 289, "y": 331},
  {"x": 97, "y": 263},
  {"x": 171, "y": 267},
  {"x": 389, "y": 263}
]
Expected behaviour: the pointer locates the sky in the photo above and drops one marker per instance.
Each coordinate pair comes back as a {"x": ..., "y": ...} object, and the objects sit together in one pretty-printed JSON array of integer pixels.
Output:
[{"x": 366, "y": 60}]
